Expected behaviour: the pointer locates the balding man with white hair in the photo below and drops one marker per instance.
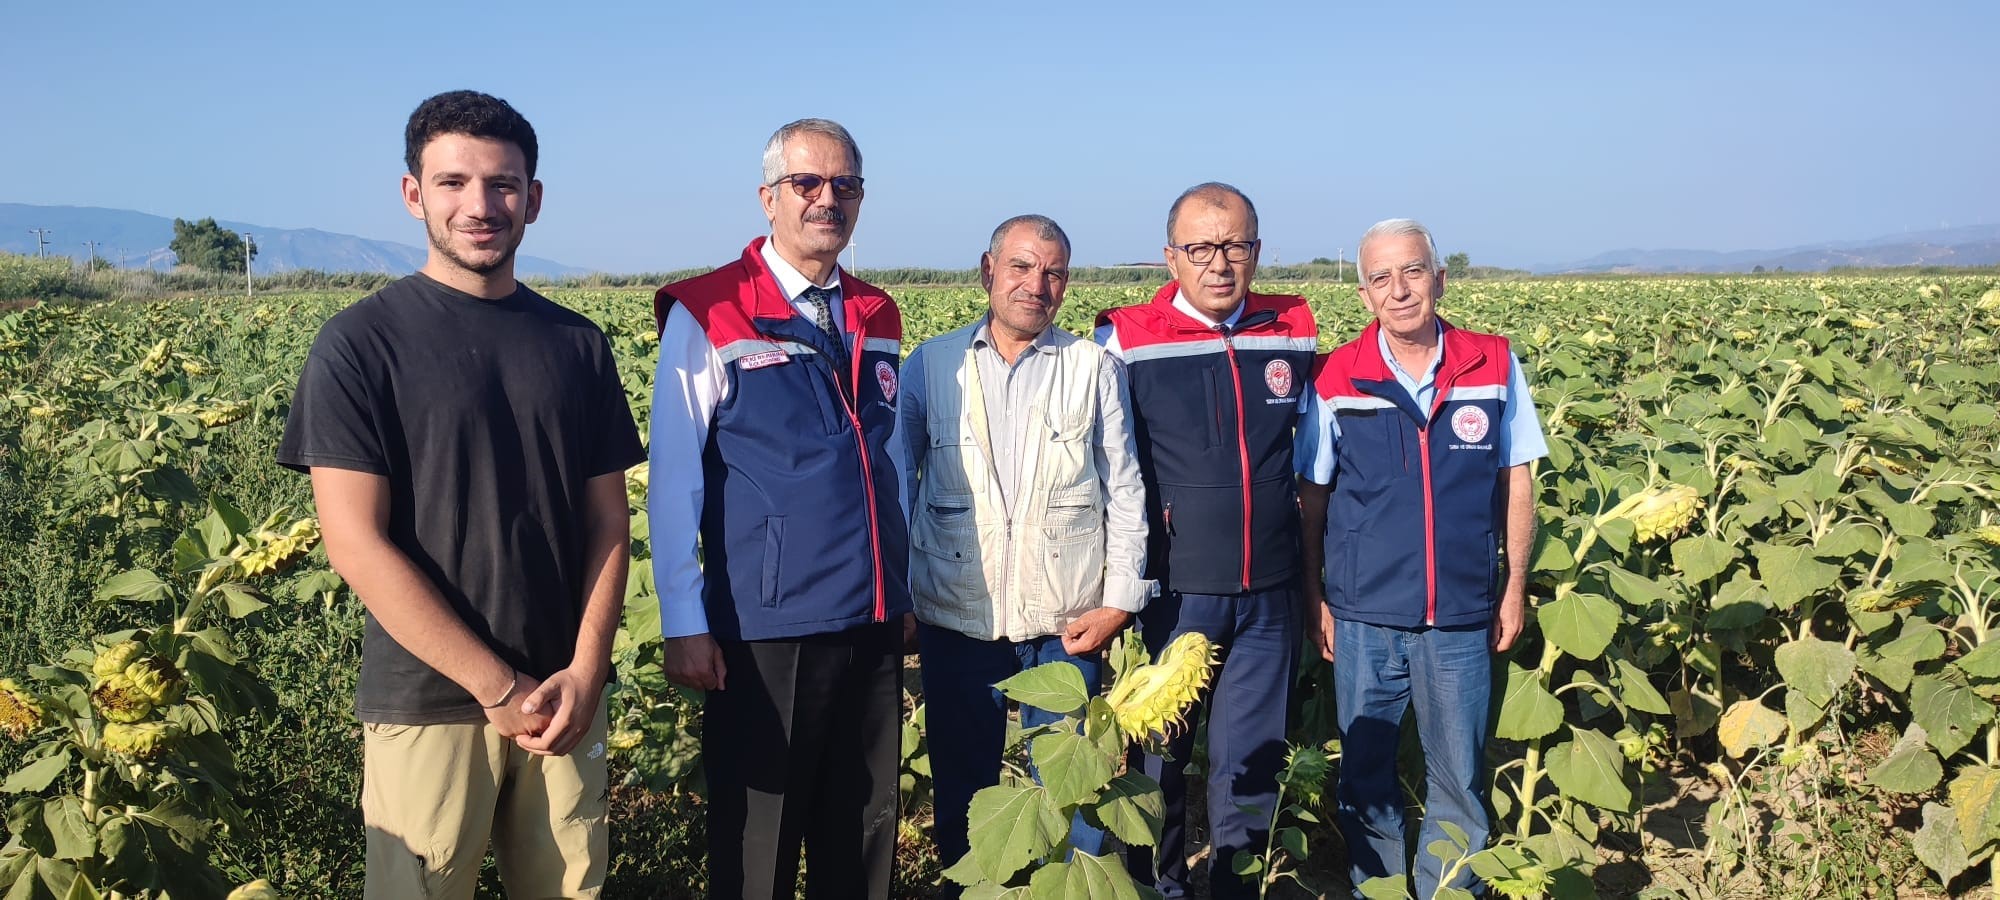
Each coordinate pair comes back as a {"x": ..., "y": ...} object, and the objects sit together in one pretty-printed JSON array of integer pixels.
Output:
[{"x": 1414, "y": 477}]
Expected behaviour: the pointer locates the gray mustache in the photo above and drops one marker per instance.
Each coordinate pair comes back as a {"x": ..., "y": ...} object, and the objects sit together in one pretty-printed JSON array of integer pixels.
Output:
[{"x": 829, "y": 215}]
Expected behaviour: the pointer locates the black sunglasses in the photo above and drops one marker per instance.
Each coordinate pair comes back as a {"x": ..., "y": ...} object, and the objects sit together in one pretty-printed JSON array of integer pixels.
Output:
[{"x": 845, "y": 187}]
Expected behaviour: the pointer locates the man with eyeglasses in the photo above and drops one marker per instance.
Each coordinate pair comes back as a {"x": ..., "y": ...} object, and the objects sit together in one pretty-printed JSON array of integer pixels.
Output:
[
  {"x": 1027, "y": 523},
  {"x": 773, "y": 412},
  {"x": 1414, "y": 473},
  {"x": 1217, "y": 377}
]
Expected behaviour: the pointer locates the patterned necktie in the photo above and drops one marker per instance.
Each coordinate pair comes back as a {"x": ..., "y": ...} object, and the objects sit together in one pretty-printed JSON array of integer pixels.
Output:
[{"x": 820, "y": 301}]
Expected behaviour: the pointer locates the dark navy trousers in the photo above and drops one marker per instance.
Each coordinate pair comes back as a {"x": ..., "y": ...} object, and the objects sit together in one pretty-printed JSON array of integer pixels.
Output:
[{"x": 1258, "y": 636}]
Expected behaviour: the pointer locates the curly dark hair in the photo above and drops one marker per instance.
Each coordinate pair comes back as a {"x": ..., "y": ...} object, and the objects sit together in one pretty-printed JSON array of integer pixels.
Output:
[{"x": 469, "y": 113}]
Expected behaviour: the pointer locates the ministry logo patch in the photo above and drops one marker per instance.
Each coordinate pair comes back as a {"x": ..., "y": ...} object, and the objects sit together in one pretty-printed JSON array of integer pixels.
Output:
[
  {"x": 1470, "y": 424},
  {"x": 885, "y": 375},
  {"x": 1278, "y": 377}
]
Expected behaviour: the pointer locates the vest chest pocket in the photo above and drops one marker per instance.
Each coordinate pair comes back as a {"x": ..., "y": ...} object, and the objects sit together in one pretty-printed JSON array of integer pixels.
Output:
[
  {"x": 1068, "y": 457},
  {"x": 953, "y": 458}
]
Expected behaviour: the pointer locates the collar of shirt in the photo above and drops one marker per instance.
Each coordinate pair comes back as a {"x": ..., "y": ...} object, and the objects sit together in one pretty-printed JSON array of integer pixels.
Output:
[
  {"x": 1417, "y": 387},
  {"x": 1181, "y": 303},
  {"x": 983, "y": 337},
  {"x": 792, "y": 284}
]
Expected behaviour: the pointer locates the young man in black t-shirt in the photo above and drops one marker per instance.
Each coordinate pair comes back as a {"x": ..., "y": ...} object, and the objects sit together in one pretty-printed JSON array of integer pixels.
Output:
[{"x": 467, "y": 441}]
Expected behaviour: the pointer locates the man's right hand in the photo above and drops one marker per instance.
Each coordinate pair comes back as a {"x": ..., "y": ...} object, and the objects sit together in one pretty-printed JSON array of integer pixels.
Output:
[
  {"x": 1321, "y": 623},
  {"x": 509, "y": 720},
  {"x": 695, "y": 661}
]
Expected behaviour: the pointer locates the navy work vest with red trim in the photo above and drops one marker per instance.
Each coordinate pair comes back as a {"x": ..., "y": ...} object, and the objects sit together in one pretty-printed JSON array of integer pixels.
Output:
[
  {"x": 1213, "y": 414},
  {"x": 1412, "y": 534},
  {"x": 801, "y": 529}
]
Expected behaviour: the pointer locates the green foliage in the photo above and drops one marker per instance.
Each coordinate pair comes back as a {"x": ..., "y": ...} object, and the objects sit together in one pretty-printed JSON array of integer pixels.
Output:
[
  {"x": 1834, "y": 582},
  {"x": 205, "y": 245}
]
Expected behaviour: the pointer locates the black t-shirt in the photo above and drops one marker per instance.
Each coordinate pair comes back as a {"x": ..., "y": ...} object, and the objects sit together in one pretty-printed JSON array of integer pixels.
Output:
[{"x": 487, "y": 417}]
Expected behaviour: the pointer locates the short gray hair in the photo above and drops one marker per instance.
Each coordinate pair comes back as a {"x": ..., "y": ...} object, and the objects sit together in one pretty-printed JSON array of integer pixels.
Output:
[
  {"x": 1398, "y": 228},
  {"x": 774, "y": 149},
  {"x": 1045, "y": 229},
  {"x": 1212, "y": 193}
]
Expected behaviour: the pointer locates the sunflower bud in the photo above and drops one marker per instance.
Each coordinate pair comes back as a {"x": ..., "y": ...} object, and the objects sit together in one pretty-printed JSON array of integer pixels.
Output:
[
  {"x": 1663, "y": 511},
  {"x": 1987, "y": 534},
  {"x": 193, "y": 369},
  {"x": 1989, "y": 301},
  {"x": 1306, "y": 768},
  {"x": 1154, "y": 699},
  {"x": 141, "y": 740},
  {"x": 1852, "y": 405},
  {"x": 1527, "y": 881},
  {"x": 118, "y": 699},
  {"x": 115, "y": 658},
  {"x": 20, "y": 712},
  {"x": 260, "y": 889}
]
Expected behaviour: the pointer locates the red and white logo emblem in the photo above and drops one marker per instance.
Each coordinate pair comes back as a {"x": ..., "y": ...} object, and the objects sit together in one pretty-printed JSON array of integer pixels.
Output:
[
  {"x": 1278, "y": 377},
  {"x": 1470, "y": 424},
  {"x": 885, "y": 375}
]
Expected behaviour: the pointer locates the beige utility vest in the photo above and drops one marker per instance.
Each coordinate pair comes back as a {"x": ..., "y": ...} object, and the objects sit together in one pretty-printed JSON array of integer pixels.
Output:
[{"x": 981, "y": 565}]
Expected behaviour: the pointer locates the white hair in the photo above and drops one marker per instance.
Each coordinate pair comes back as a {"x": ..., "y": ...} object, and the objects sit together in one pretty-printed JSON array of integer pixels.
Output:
[
  {"x": 774, "y": 149},
  {"x": 1400, "y": 228}
]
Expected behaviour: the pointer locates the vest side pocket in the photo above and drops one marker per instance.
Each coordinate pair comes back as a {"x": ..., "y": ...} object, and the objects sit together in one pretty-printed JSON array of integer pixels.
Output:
[{"x": 774, "y": 554}]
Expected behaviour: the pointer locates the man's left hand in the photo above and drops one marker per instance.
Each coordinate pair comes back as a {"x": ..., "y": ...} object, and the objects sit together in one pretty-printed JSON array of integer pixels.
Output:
[
  {"x": 569, "y": 697},
  {"x": 1510, "y": 618},
  {"x": 1092, "y": 630},
  {"x": 909, "y": 634}
]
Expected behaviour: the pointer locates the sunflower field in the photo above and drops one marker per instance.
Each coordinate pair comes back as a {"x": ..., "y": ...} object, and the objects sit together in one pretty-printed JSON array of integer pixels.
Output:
[{"x": 1763, "y": 655}]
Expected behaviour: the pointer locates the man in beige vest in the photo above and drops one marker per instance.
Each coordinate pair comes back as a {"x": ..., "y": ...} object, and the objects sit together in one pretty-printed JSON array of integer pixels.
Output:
[{"x": 1027, "y": 523}]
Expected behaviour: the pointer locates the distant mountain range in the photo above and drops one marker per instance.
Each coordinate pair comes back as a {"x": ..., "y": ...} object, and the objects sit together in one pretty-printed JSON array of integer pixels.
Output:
[
  {"x": 140, "y": 240},
  {"x": 1973, "y": 245}
]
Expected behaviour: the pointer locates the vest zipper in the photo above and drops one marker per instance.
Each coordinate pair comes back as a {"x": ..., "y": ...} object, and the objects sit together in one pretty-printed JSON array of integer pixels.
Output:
[
  {"x": 1242, "y": 449},
  {"x": 1430, "y": 529},
  {"x": 867, "y": 473}
]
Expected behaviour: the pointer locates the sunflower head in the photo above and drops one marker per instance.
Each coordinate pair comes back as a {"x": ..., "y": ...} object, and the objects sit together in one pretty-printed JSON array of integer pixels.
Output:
[
  {"x": 116, "y": 657},
  {"x": 1153, "y": 699},
  {"x": 1662, "y": 511},
  {"x": 20, "y": 712},
  {"x": 118, "y": 699},
  {"x": 139, "y": 740}
]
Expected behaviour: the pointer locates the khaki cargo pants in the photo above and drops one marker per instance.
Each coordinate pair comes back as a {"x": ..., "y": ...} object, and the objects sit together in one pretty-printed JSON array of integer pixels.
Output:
[{"x": 433, "y": 794}]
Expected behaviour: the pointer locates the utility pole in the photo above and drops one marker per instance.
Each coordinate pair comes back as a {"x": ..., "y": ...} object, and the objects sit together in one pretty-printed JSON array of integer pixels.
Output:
[
  {"x": 90, "y": 262},
  {"x": 1340, "y": 277},
  {"x": 249, "y": 288},
  {"x": 41, "y": 240},
  {"x": 851, "y": 244}
]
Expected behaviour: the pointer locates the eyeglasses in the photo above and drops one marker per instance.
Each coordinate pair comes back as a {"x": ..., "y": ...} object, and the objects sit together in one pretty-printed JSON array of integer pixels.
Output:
[
  {"x": 807, "y": 185},
  {"x": 1201, "y": 254}
]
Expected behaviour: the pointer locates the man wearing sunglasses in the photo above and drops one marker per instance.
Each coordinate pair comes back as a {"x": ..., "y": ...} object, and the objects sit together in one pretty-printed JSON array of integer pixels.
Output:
[
  {"x": 1027, "y": 524},
  {"x": 1217, "y": 375},
  {"x": 774, "y": 406}
]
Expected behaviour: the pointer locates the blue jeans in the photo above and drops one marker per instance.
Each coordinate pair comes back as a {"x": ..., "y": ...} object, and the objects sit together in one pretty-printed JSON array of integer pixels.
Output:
[
  {"x": 1259, "y": 638},
  {"x": 1447, "y": 675},
  {"x": 965, "y": 723}
]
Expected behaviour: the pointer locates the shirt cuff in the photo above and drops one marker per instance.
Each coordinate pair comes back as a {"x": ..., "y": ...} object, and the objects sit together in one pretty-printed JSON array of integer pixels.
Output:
[
  {"x": 1129, "y": 594},
  {"x": 678, "y": 620}
]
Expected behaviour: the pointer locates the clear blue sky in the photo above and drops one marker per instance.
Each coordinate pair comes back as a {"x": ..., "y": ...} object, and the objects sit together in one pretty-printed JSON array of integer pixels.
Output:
[{"x": 1522, "y": 133}]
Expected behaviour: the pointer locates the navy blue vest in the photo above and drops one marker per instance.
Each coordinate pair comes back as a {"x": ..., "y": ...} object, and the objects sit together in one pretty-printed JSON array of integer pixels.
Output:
[
  {"x": 802, "y": 531},
  {"x": 1413, "y": 525},
  {"x": 1213, "y": 415}
]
